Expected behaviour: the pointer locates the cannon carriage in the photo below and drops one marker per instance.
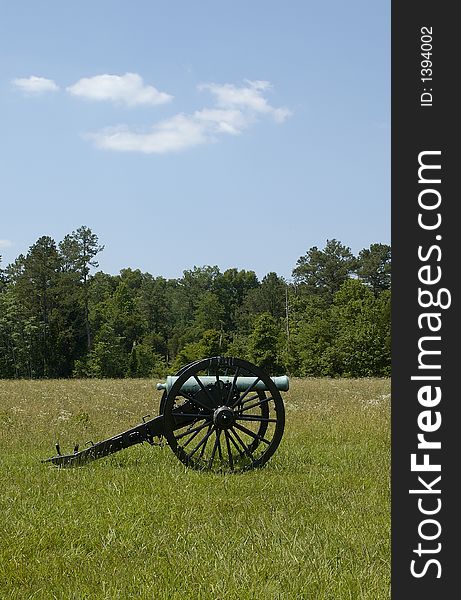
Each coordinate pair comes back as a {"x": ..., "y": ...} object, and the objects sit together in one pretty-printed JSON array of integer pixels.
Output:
[{"x": 219, "y": 414}]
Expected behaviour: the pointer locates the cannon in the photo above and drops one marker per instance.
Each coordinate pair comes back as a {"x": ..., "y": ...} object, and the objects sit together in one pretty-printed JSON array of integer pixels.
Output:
[{"x": 218, "y": 414}]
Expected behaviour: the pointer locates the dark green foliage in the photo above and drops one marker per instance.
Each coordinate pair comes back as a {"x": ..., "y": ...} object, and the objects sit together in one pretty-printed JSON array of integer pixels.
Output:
[
  {"x": 263, "y": 343},
  {"x": 37, "y": 312},
  {"x": 58, "y": 319},
  {"x": 313, "y": 335},
  {"x": 324, "y": 271},
  {"x": 211, "y": 343},
  {"x": 374, "y": 267},
  {"x": 108, "y": 356},
  {"x": 78, "y": 251},
  {"x": 362, "y": 343}
]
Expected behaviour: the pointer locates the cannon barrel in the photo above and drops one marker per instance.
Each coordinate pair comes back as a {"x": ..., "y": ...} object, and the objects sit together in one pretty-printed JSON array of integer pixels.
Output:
[{"x": 191, "y": 385}]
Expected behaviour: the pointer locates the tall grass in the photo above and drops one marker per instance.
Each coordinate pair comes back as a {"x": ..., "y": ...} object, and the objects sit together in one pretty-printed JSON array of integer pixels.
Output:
[{"x": 313, "y": 524}]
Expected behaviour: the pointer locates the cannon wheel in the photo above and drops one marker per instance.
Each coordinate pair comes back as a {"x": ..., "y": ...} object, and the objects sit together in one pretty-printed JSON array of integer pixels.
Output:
[
  {"x": 219, "y": 427},
  {"x": 264, "y": 408}
]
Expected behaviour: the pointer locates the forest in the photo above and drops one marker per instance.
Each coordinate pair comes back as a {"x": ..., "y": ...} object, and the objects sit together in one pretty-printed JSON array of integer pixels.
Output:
[{"x": 60, "y": 317}]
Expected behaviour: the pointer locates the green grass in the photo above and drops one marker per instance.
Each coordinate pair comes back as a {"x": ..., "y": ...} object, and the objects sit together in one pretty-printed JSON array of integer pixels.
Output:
[{"x": 314, "y": 523}]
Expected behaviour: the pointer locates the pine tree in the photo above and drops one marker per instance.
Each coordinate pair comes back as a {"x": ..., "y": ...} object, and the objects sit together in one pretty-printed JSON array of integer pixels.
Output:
[{"x": 78, "y": 251}]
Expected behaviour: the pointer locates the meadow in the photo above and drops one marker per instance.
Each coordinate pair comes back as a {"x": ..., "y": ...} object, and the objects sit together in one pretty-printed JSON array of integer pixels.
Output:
[{"x": 313, "y": 524}]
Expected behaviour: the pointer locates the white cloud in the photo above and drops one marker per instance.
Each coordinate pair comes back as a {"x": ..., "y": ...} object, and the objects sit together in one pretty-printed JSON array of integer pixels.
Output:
[
  {"x": 248, "y": 98},
  {"x": 5, "y": 243},
  {"x": 218, "y": 120},
  {"x": 236, "y": 109},
  {"x": 128, "y": 89},
  {"x": 35, "y": 85},
  {"x": 171, "y": 135}
]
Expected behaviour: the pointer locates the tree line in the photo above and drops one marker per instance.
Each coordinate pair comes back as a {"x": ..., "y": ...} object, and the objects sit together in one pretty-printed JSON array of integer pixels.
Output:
[{"x": 59, "y": 317}]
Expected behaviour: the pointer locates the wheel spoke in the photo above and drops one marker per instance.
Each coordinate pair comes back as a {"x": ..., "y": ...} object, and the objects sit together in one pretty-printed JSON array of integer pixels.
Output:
[
  {"x": 192, "y": 437},
  {"x": 193, "y": 399},
  {"x": 255, "y": 418},
  {"x": 246, "y": 449},
  {"x": 247, "y": 391},
  {"x": 232, "y": 388},
  {"x": 204, "y": 389},
  {"x": 251, "y": 433},
  {"x": 195, "y": 415},
  {"x": 198, "y": 428},
  {"x": 243, "y": 454},
  {"x": 219, "y": 447},
  {"x": 248, "y": 399},
  {"x": 256, "y": 404},
  {"x": 202, "y": 451},
  {"x": 202, "y": 441},
  {"x": 215, "y": 447},
  {"x": 229, "y": 451}
]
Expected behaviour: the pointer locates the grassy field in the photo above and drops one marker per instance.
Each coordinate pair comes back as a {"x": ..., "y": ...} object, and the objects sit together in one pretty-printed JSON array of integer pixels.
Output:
[{"x": 314, "y": 523}]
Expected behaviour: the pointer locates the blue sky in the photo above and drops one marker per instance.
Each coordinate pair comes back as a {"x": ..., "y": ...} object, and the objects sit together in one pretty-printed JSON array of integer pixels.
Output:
[{"x": 230, "y": 133}]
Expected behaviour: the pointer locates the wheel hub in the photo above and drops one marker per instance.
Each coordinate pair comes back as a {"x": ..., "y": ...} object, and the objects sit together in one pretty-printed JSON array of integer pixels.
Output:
[{"x": 223, "y": 417}]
